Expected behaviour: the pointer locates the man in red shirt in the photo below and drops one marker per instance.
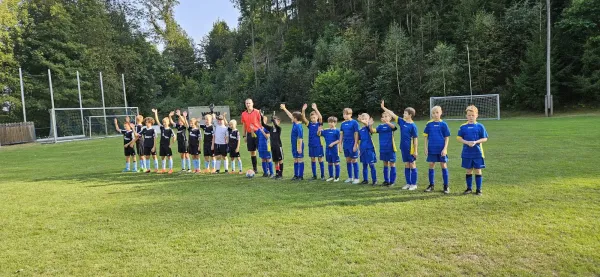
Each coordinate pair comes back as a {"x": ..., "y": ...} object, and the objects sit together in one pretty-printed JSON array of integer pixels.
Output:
[{"x": 251, "y": 117}]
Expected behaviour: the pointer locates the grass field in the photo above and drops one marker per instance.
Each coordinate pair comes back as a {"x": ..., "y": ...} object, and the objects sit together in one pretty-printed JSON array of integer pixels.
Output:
[{"x": 66, "y": 209}]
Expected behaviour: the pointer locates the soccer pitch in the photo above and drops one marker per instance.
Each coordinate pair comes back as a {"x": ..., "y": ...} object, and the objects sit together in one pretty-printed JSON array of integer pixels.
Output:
[{"x": 66, "y": 209}]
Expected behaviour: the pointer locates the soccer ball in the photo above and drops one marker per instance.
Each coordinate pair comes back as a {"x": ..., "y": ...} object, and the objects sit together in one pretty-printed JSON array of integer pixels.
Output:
[{"x": 250, "y": 173}]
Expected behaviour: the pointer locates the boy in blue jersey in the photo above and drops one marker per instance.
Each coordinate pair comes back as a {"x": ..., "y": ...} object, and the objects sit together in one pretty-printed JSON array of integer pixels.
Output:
[
  {"x": 264, "y": 149},
  {"x": 315, "y": 149},
  {"x": 408, "y": 144},
  {"x": 368, "y": 158},
  {"x": 297, "y": 143},
  {"x": 349, "y": 133},
  {"x": 129, "y": 139},
  {"x": 472, "y": 134},
  {"x": 387, "y": 151},
  {"x": 332, "y": 141},
  {"x": 436, "y": 135}
]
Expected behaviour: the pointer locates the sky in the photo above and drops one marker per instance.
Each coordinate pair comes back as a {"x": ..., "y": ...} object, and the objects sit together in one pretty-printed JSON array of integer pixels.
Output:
[{"x": 196, "y": 17}]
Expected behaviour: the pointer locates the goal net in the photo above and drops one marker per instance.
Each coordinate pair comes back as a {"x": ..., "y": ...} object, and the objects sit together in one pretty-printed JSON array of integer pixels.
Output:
[
  {"x": 453, "y": 107},
  {"x": 78, "y": 123}
]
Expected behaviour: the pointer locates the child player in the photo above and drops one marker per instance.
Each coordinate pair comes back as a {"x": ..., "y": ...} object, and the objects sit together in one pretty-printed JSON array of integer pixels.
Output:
[
  {"x": 368, "y": 158},
  {"x": 276, "y": 148},
  {"x": 297, "y": 143},
  {"x": 208, "y": 129},
  {"x": 166, "y": 134},
  {"x": 182, "y": 139},
  {"x": 195, "y": 136},
  {"x": 139, "y": 143},
  {"x": 264, "y": 149},
  {"x": 220, "y": 141},
  {"x": 332, "y": 142},
  {"x": 408, "y": 144},
  {"x": 150, "y": 143},
  {"x": 349, "y": 133},
  {"x": 129, "y": 138},
  {"x": 472, "y": 134},
  {"x": 315, "y": 149},
  {"x": 387, "y": 151},
  {"x": 234, "y": 146},
  {"x": 437, "y": 135}
]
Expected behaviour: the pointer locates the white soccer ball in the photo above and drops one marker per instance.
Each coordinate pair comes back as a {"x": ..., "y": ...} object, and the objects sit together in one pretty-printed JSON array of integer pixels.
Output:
[{"x": 250, "y": 173}]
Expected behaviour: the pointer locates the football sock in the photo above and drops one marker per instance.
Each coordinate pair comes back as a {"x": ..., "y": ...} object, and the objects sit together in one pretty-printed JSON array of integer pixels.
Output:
[
  {"x": 355, "y": 165},
  {"x": 413, "y": 176},
  {"x": 445, "y": 176},
  {"x": 431, "y": 176},
  {"x": 313, "y": 166},
  {"x": 469, "y": 178},
  {"x": 349, "y": 169},
  {"x": 365, "y": 171},
  {"x": 271, "y": 169},
  {"x": 322, "y": 166},
  {"x": 337, "y": 171},
  {"x": 407, "y": 175},
  {"x": 386, "y": 170},
  {"x": 330, "y": 169},
  {"x": 478, "y": 180},
  {"x": 170, "y": 163},
  {"x": 392, "y": 174},
  {"x": 373, "y": 172}
]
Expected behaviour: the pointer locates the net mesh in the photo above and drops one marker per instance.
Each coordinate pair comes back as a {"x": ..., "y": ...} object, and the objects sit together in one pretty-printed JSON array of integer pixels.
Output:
[
  {"x": 90, "y": 122},
  {"x": 453, "y": 107}
]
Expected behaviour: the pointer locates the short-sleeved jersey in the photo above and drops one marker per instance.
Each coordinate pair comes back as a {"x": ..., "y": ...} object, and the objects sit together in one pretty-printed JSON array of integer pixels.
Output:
[
  {"x": 139, "y": 128},
  {"x": 364, "y": 135},
  {"x": 234, "y": 138},
  {"x": 221, "y": 134},
  {"x": 348, "y": 128},
  {"x": 263, "y": 141},
  {"x": 331, "y": 135},
  {"x": 297, "y": 133},
  {"x": 386, "y": 138},
  {"x": 408, "y": 132},
  {"x": 436, "y": 132},
  {"x": 181, "y": 132},
  {"x": 208, "y": 134},
  {"x": 275, "y": 132},
  {"x": 194, "y": 136},
  {"x": 251, "y": 118},
  {"x": 472, "y": 132},
  {"x": 165, "y": 135},
  {"x": 313, "y": 134},
  {"x": 127, "y": 136},
  {"x": 149, "y": 136}
]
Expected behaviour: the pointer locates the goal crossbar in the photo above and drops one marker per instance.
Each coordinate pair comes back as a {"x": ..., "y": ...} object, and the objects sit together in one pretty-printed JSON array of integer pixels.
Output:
[{"x": 453, "y": 107}]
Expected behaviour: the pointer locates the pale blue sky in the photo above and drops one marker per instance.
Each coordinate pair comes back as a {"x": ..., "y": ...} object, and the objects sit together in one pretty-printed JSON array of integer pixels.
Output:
[{"x": 196, "y": 17}]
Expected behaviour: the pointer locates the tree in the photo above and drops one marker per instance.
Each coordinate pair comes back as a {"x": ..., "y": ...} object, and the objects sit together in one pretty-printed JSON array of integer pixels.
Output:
[
  {"x": 335, "y": 90},
  {"x": 442, "y": 73}
]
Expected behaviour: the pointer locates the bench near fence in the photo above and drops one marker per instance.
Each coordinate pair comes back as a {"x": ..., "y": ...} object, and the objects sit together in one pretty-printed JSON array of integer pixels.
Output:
[{"x": 15, "y": 133}]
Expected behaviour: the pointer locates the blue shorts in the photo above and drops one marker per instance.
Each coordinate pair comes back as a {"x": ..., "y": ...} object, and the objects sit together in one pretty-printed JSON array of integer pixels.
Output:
[
  {"x": 297, "y": 155},
  {"x": 367, "y": 156},
  {"x": 265, "y": 155},
  {"x": 332, "y": 156},
  {"x": 477, "y": 163},
  {"x": 315, "y": 152},
  {"x": 348, "y": 153},
  {"x": 388, "y": 156},
  {"x": 407, "y": 157},
  {"x": 437, "y": 158}
]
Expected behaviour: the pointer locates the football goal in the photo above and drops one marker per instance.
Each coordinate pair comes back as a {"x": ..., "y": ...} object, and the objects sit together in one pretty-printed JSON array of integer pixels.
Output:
[{"x": 453, "y": 107}]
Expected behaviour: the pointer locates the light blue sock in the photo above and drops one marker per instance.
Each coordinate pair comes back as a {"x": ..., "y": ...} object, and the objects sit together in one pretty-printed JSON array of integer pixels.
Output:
[
  {"x": 164, "y": 164},
  {"x": 156, "y": 163},
  {"x": 135, "y": 167},
  {"x": 147, "y": 164},
  {"x": 183, "y": 164},
  {"x": 127, "y": 166},
  {"x": 170, "y": 163},
  {"x": 189, "y": 164},
  {"x": 240, "y": 165},
  {"x": 206, "y": 164}
]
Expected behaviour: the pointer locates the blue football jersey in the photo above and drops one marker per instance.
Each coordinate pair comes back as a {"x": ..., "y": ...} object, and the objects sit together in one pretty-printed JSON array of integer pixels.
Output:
[
  {"x": 263, "y": 141},
  {"x": 364, "y": 135},
  {"x": 348, "y": 128},
  {"x": 408, "y": 132},
  {"x": 436, "y": 132},
  {"x": 313, "y": 134},
  {"x": 297, "y": 133},
  {"x": 386, "y": 138},
  {"x": 472, "y": 132}
]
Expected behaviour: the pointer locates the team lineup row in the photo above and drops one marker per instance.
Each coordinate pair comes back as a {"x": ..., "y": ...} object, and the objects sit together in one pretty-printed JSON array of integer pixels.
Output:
[{"x": 223, "y": 139}]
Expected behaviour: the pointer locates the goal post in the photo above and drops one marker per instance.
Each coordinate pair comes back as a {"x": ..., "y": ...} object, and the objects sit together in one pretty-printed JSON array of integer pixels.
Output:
[
  {"x": 453, "y": 107},
  {"x": 82, "y": 123}
]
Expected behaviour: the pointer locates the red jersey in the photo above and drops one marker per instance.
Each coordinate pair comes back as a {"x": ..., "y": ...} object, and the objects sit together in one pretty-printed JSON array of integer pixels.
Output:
[{"x": 251, "y": 118}]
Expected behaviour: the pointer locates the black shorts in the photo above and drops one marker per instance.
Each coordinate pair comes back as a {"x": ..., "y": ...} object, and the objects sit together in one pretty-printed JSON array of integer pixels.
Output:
[
  {"x": 221, "y": 150},
  {"x": 129, "y": 151},
  {"x": 182, "y": 147},
  {"x": 277, "y": 153},
  {"x": 252, "y": 143},
  {"x": 165, "y": 151},
  {"x": 139, "y": 148},
  {"x": 208, "y": 151},
  {"x": 194, "y": 150},
  {"x": 233, "y": 153},
  {"x": 148, "y": 151}
]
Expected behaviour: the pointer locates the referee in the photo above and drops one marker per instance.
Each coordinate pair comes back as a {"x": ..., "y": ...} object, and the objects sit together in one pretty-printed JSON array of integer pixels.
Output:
[{"x": 251, "y": 117}]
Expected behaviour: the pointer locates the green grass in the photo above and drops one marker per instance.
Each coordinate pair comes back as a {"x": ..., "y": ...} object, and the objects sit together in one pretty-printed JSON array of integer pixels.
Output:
[{"x": 66, "y": 210}]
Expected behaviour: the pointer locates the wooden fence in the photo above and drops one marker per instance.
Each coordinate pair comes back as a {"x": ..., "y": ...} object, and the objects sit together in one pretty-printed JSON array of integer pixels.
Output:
[{"x": 14, "y": 133}]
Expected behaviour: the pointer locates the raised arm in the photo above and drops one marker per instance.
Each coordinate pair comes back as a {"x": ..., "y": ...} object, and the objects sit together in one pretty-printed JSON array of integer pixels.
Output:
[
  {"x": 156, "y": 117},
  {"x": 370, "y": 124},
  {"x": 225, "y": 118},
  {"x": 171, "y": 117},
  {"x": 394, "y": 116},
  {"x": 314, "y": 107},
  {"x": 184, "y": 118},
  {"x": 117, "y": 126},
  {"x": 304, "y": 120},
  {"x": 289, "y": 114}
]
